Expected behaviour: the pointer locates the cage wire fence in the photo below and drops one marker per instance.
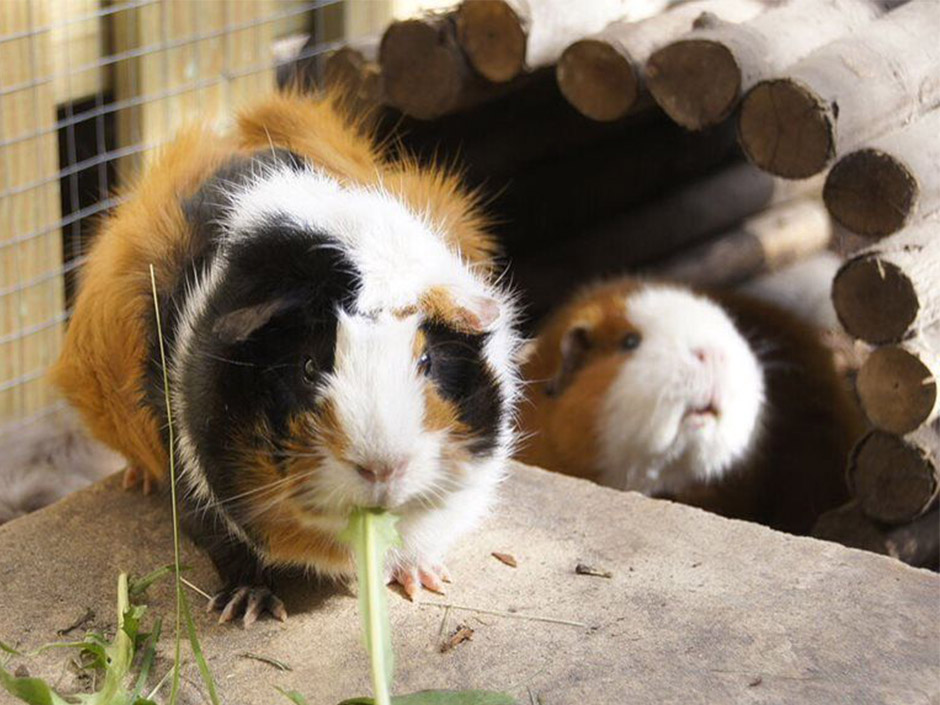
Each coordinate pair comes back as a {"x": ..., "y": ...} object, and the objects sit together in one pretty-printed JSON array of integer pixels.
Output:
[{"x": 89, "y": 90}]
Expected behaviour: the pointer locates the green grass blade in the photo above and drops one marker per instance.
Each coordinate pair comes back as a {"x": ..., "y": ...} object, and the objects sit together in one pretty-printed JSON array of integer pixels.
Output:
[
  {"x": 146, "y": 663},
  {"x": 138, "y": 586},
  {"x": 171, "y": 451},
  {"x": 370, "y": 533},
  {"x": 292, "y": 695},
  {"x": 197, "y": 651}
]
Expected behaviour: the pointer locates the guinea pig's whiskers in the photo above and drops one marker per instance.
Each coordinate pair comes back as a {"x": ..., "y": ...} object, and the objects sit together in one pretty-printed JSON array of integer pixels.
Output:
[{"x": 226, "y": 360}]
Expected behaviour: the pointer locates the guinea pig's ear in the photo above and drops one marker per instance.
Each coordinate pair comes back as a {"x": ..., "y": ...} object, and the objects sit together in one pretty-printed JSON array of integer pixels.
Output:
[
  {"x": 238, "y": 325},
  {"x": 478, "y": 313},
  {"x": 469, "y": 312},
  {"x": 574, "y": 346}
]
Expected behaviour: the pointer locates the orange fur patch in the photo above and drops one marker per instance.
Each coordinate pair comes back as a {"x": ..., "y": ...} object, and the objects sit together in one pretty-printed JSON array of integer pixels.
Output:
[
  {"x": 441, "y": 414},
  {"x": 329, "y": 430},
  {"x": 275, "y": 518},
  {"x": 438, "y": 305},
  {"x": 561, "y": 429}
]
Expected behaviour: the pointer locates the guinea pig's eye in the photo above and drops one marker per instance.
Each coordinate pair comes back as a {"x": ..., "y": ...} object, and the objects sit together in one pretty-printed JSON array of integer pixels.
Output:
[
  {"x": 631, "y": 341},
  {"x": 310, "y": 370},
  {"x": 424, "y": 363}
]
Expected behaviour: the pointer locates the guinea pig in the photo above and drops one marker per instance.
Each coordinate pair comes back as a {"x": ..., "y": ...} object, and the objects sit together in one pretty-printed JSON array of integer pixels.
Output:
[
  {"x": 715, "y": 400},
  {"x": 336, "y": 336}
]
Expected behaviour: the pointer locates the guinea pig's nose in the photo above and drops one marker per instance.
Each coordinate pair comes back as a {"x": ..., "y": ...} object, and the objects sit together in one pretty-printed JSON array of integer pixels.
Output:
[
  {"x": 706, "y": 355},
  {"x": 377, "y": 472}
]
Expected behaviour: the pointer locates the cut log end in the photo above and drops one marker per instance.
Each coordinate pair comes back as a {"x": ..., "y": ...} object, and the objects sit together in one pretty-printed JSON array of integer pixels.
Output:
[
  {"x": 422, "y": 70},
  {"x": 894, "y": 481},
  {"x": 875, "y": 300},
  {"x": 784, "y": 128},
  {"x": 599, "y": 81},
  {"x": 696, "y": 82},
  {"x": 493, "y": 37},
  {"x": 871, "y": 193},
  {"x": 897, "y": 391}
]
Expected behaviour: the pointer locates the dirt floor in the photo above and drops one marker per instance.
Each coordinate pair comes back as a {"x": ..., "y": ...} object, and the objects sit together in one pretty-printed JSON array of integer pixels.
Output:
[{"x": 696, "y": 608}]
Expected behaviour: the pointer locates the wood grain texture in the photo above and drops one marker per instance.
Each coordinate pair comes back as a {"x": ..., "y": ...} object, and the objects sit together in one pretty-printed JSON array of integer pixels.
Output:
[
  {"x": 699, "y": 78},
  {"x": 890, "y": 182},
  {"x": 891, "y": 291},
  {"x": 845, "y": 93}
]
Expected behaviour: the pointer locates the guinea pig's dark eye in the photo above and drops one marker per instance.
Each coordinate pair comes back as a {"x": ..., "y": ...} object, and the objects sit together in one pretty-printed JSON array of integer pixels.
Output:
[
  {"x": 424, "y": 363},
  {"x": 310, "y": 370},
  {"x": 631, "y": 341}
]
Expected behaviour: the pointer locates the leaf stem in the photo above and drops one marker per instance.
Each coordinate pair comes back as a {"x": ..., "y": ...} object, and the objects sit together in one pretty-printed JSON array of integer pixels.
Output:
[{"x": 375, "y": 583}]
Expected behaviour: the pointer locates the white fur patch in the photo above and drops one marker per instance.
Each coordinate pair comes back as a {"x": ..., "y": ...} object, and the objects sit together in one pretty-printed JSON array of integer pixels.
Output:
[
  {"x": 399, "y": 254},
  {"x": 691, "y": 356}
]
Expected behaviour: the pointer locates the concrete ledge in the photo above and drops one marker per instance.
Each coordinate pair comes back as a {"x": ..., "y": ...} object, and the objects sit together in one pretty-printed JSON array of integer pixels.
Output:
[{"x": 700, "y": 609}]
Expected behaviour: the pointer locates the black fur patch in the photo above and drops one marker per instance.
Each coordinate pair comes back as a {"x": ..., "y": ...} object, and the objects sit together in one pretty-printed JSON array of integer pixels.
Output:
[
  {"x": 463, "y": 377},
  {"x": 234, "y": 386},
  {"x": 196, "y": 253}
]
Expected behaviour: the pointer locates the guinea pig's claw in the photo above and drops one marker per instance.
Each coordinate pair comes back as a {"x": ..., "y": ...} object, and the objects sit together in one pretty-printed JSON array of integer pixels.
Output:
[
  {"x": 134, "y": 476},
  {"x": 412, "y": 579},
  {"x": 249, "y": 603}
]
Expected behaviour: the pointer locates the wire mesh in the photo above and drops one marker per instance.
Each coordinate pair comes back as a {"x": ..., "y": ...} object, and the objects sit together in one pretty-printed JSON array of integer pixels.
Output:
[{"x": 89, "y": 90}]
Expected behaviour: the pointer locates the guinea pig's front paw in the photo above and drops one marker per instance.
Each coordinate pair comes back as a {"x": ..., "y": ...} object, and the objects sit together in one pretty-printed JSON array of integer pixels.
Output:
[
  {"x": 413, "y": 576},
  {"x": 134, "y": 476},
  {"x": 247, "y": 602}
]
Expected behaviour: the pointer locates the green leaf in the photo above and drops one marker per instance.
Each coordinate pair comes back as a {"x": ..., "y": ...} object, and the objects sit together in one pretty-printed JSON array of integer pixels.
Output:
[
  {"x": 444, "y": 697},
  {"x": 292, "y": 695},
  {"x": 146, "y": 663},
  {"x": 30, "y": 690},
  {"x": 138, "y": 586},
  {"x": 370, "y": 533}
]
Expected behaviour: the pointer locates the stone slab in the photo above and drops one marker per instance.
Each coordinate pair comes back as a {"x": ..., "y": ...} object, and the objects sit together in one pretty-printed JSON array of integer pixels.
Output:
[{"x": 700, "y": 609}]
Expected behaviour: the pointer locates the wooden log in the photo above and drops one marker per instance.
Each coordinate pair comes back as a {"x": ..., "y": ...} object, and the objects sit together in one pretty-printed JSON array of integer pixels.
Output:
[
  {"x": 888, "y": 292},
  {"x": 699, "y": 79},
  {"x": 703, "y": 208},
  {"x": 558, "y": 199},
  {"x": 354, "y": 69},
  {"x": 845, "y": 93},
  {"x": 897, "y": 385},
  {"x": 763, "y": 243},
  {"x": 558, "y": 23},
  {"x": 426, "y": 74},
  {"x": 601, "y": 75},
  {"x": 493, "y": 34},
  {"x": 917, "y": 543},
  {"x": 879, "y": 189},
  {"x": 500, "y": 137},
  {"x": 894, "y": 478}
]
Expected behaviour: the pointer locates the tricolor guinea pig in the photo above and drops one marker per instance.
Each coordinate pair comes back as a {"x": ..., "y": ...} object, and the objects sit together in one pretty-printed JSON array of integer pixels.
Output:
[
  {"x": 719, "y": 401},
  {"x": 335, "y": 337}
]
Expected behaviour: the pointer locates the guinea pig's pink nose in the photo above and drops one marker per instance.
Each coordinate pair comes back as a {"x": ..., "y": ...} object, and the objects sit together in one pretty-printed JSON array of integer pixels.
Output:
[
  {"x": 379, "y": 472},
  {"x": 706, "y": 355}
]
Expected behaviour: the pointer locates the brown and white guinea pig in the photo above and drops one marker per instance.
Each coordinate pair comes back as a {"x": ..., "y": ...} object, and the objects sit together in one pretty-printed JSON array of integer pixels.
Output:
[
  {"x": 336, "y": 337},
  {"x": 719, "y": 401}
]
